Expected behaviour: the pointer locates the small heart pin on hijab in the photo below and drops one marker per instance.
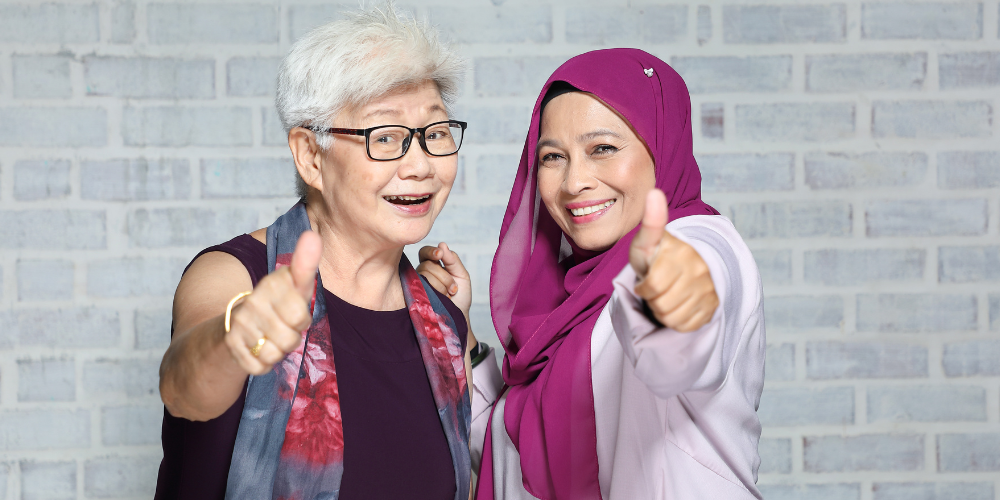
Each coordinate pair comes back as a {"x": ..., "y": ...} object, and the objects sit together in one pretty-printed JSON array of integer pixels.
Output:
[{"x": 648, "y": 72}]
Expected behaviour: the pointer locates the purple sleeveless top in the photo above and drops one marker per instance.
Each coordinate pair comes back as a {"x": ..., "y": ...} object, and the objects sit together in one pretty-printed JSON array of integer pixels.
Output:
[{"x": 394, "y": 445}]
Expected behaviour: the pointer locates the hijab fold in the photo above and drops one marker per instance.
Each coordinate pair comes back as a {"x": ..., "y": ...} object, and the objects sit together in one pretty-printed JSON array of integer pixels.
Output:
[{"x": 544, "y": 311}]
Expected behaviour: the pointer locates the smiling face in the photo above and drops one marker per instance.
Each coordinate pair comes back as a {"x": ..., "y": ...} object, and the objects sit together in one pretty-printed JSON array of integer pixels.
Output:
[
  {"x": 388, "y": 203},
  {"x": 593, "y": 170}
]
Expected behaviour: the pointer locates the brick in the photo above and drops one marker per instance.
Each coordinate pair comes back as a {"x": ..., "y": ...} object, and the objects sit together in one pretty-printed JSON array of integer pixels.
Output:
[
  {"x": 116, "y": 477},
  {"x": 117, "y": 379},
  {"x": 41, "y": 179},
  {"x": 178, "y": 126},
  {"x": 44, "y": 279},
  {"x": 495, "y": 173},
  {"x": 784, "y": 407},
  {"x": 968, "y": 452},
  {"x": 871, "y": 452},
  {"x": 303, "y": 18},
  {"x": 41, "y": 77},
  {"x": 199, "y": 227},
  {"x": 75, "y": 327},
  {"x": 792, "y": 122},
  {"x": 252, "y": 76},
  {"x": 775, "y": 266},
  {"x": 847, "y": 491},
  {"x": 123, "y": 22},
  {"x": 713, "y": 120},
  {"x": 838, "y": 360},
  {"x": 779, "y": 363},
  {"x": 493, "y": 125},
  {"x": 134, "y": 276},
  {"x": 973, "y": 358},
  {"x": 792, "y": 219},
  {"x": 476, "y": 25},
  {"x": 775, "y": 456},
  {"x": 48, "y": 480},
  {"x": 704, "y": 24},
  {"x": 44, "y": 429},
  {"x": 968, "y": 264},
  {"x": 784, "y": 23},
  {"x": 740, "y": 172},
  {"x": 468, "y": 224},
  {"x": 931, "y": 119},
  {"x": 932, "y": 491},
  {"x": 274, "y": 131},
  {"x": 965, "y": 70},
  {"x": 926, "y": 403},
  {"x": 734, "y": 74},
  {"x": 150, "y": 77},
  {"x": 248, "y": 178},
  {"x": 49, "y": 23},
  {"x": 926, "y": 218},
  {"x": 994, "y": 305},
  {"x": 798, "y": 312},
  {"x": 513, "y": 76},
  {"x": 78, "y": 127},
  {"x": 131, "y": 425},
  {"x": 136, "y": 179},
  {"x": 617, "y": 25},
  {"x": 969, "y": 169},
  {"x": 855, "y": 72},
  {"x": 855, "y": 267},
  {"x": 52, "y": 229},
  {"x": 152, "y": 329},
  {"x": 922, "y": 20},
  {"x": 212, "y": 23},
  {"x": 46, "y": 380},
  {"x": 864, "y": 170}
]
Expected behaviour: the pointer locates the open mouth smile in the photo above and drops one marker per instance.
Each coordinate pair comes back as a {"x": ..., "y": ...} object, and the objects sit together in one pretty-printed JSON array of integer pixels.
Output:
[
  {"x": 410, "y": 204},
  {"x": 588, "y": 210},
  {"x": 404, "y": 199}
]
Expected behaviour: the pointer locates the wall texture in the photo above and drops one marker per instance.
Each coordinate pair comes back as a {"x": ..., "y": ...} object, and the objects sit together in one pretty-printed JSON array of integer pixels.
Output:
[{"x": 854, "y": 144}]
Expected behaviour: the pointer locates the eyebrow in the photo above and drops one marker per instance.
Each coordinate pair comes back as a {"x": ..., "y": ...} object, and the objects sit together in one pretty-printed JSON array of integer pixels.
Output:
[{"x": 602, "y": 132}]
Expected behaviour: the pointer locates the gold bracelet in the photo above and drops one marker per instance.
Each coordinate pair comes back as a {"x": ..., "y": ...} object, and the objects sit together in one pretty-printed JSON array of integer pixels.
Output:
[{"x": 229, "y": 308}]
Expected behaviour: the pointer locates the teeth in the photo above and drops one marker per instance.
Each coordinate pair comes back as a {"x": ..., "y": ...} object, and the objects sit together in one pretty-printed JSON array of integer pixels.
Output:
[
  {"x": 406, "y": 198},
  {"x": 579, "y": 212}
]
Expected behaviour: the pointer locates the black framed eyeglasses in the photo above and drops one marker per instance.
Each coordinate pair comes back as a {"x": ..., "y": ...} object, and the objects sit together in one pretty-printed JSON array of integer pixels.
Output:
[{"x": 391, "y": 142}]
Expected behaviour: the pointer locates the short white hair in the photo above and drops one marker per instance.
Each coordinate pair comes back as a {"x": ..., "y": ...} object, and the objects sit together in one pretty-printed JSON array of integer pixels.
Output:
[{"x": 350, "y": 62}]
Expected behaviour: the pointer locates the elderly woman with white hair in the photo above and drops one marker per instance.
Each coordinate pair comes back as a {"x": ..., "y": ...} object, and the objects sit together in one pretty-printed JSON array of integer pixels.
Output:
[{"x": 309, "y": 360}]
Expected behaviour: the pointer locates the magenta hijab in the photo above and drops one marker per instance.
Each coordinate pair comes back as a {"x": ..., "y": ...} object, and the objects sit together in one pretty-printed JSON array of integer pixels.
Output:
[{"x": 544, "y": 310}]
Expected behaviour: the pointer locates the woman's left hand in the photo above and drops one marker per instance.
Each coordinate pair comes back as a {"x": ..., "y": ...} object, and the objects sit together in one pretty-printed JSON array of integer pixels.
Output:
[
  {"x": 446, "y": 273},
  {"x": 670, "y": 275}
]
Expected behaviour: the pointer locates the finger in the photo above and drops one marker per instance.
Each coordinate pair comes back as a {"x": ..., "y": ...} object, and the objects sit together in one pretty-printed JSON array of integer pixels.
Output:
[
  {"x": 698, "y": 320},
  {"x": 452, "y": 262},
  {"x": 429, "y": 253},
  {"x": 660, "y": 278},
  {"x": 667, "y": 303},
  {"x": 681, "y": 314},
  {"x": 293, "y": 312},
  {"x": 305, "y": 262},
  {"x": 435, "y": 282},
  {"x": 269, "y": 354},
  {"x": 654, "y": 221},
  {"x": 241, "y": 336}
]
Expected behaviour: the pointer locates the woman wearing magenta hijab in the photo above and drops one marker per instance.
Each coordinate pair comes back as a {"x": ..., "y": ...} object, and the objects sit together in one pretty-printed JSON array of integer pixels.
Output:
[{"x": 629, "y": 309}]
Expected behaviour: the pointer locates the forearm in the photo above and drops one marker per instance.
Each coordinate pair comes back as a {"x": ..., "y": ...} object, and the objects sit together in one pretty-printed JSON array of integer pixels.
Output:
[{"x": 199, "y": 379}]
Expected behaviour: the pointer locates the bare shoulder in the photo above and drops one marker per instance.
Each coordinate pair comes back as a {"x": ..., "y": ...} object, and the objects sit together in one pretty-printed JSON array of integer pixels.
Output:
[
  {"x": 260, "y": 235},
  {"x": 212, "y": 280}
]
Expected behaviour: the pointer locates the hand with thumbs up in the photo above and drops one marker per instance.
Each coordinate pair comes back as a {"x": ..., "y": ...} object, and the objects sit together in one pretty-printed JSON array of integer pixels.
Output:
[
  {"x": 671, "y": 277},
  {"x": 277, "y": 310}
]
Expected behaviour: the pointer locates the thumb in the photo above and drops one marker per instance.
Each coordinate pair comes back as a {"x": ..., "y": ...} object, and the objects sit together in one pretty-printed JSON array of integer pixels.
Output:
[
  {"x": 451, "y": 262},
  {"x": 654, "y": 221},
  {"x": 305, "y": 261}
]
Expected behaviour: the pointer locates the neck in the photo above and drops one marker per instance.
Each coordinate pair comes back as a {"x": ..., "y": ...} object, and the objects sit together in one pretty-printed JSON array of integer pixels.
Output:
[{"x": 356, "y": 266}]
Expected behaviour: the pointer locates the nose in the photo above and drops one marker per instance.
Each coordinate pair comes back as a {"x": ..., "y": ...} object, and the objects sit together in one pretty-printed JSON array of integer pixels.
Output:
[
  {"x": 416, "y": 163},
  {"x": 578, "y": 178}
]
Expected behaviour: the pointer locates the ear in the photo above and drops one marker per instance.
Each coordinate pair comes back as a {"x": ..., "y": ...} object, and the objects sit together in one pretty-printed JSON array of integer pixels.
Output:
[{"x": 307, "y": 155}]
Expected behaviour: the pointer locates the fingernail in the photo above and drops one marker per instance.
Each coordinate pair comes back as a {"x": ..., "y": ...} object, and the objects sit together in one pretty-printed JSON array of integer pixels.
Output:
[{"x": 453, "y": 290}]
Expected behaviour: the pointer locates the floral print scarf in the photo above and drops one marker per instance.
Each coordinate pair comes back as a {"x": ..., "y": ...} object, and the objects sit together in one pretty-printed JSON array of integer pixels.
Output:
[{"x": 290, "y": 442}]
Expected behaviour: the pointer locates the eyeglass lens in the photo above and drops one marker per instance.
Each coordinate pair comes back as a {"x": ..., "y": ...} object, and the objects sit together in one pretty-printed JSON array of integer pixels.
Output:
[{"x": 389, "y": 143}]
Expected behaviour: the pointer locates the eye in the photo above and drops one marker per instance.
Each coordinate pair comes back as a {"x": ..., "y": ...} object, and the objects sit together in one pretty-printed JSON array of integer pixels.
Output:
[
  {"x": 385, "y": 138},
  {"x": 604, "y": 149},
  {"x": 551, "y": 158}
]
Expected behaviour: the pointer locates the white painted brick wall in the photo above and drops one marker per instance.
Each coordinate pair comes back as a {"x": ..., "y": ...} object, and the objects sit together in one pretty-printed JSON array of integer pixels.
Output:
[{"x": 854, "y": 144}]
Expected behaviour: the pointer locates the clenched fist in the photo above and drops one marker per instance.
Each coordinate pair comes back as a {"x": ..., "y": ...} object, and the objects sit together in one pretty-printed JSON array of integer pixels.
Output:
[
  {"x": 277, "y": 310},
  {"x": 670, "y": 275}
]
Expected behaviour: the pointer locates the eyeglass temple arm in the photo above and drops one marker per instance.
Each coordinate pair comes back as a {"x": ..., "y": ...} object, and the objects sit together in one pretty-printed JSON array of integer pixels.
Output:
[{"x": 348, "y": 131}]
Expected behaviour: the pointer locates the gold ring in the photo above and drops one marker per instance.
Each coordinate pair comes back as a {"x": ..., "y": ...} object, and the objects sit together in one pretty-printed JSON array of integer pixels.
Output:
[{"x": 255, "y": 350}]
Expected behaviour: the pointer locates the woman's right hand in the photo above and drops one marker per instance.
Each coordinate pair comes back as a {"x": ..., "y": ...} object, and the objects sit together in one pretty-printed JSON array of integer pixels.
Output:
[{"x": 277, "y": 310}]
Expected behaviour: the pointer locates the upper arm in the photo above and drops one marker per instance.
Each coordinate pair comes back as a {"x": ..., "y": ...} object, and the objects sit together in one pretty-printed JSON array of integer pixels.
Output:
[{"x": 211, "y": 281}]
